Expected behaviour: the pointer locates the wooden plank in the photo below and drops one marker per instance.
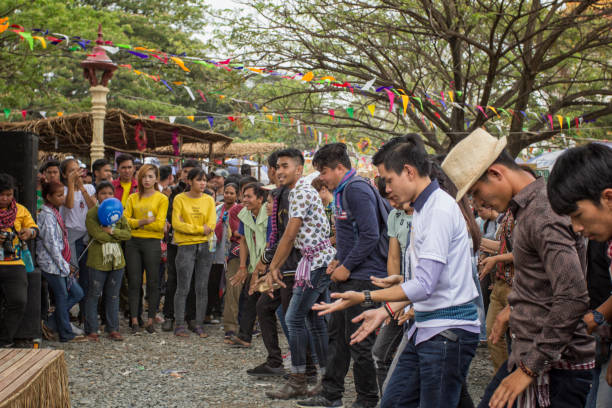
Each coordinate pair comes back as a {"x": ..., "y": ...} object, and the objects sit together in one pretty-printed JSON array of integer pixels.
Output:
[
  {"x": 6, "y": 355},
  {"x": 28, "y": 374},
  {"x": 13, "y": 373},
  {"x": 17, "y": 355}
]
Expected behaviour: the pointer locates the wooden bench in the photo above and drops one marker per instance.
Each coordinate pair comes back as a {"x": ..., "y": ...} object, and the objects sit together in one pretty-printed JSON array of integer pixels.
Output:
[{"x": 33, "y": 378}]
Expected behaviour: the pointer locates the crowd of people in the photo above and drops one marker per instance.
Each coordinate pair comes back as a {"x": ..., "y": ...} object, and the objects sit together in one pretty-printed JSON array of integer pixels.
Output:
[{"x": 403, "y": 276}]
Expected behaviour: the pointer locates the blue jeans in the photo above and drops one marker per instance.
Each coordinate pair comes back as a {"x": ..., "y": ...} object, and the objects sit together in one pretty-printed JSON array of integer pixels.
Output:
[
  {"x": 431, "y": 373},
  {"x": 109, "y": 283},
  {"x": 77, "y": 249},
  {"x": 300, "y": 315},
  {"x": 64, "y": 300}
]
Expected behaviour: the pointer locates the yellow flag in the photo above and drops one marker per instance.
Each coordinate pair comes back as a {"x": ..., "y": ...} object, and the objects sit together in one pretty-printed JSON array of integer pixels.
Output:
[
  {"x": 405, "y": 100},
  {"x": 371, "y": 109},
  {"x": 42, "y": 41},
  {"x": 60, "y": 114},
  {"x": 4, "y": 24},
  {"x": 255, "y": 69},
  {"x": 450, "y": 95},
  {"x": 308, "y": 77},
  {"x": 270, "y": 117},
  {"x": 560, "y": 121},
  {"x": 180, "y": 63},
  {"x": 191, "y": 118},
  {"x": 328, "y": 78},
  {"x": 494, "y": 111}
]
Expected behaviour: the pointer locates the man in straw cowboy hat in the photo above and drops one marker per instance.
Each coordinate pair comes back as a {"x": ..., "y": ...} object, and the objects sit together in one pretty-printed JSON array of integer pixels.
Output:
[
  {"x": 434, "y": 364},
  {"x": 552, "y": 355}
]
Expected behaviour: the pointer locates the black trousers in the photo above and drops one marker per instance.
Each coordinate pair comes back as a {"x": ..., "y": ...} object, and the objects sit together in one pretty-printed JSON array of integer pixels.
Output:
[
  {"x": 214, "y": 284},
  {"x": 248, "y": 311},
  {"x": 266, "y": 314},
  {"x": 14, "y": 285},
  {"x": 340, "y": 352},
  {"x": 171, "y": 288}
]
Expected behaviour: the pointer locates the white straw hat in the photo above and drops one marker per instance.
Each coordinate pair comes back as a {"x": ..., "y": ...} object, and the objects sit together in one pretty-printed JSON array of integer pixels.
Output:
[{"x": 469, "y": 160}]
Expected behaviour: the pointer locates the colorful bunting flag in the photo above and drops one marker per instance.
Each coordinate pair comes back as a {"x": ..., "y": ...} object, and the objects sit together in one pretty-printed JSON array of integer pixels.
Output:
[{"x": 371, "y": 108}]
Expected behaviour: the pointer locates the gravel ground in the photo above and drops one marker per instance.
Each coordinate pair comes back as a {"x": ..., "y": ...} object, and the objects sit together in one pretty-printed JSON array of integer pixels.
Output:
[{"x": 137, "y": 372}]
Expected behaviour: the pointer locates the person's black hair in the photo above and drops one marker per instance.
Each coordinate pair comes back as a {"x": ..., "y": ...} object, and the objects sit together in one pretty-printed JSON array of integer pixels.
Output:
[
  {"x": 104, "y": 184},
  {"x": 63, "y": 167},
  {"x": 258, "y": 190},
  {"x": 232, "y": 179},
  {"x": 190, "y": 163},
  {"x": 381, "y": 185},
  {"x": 331, "y": 155},
  {"x": 7, "y": 182},
  {"x": 245, "y": 169},
  {"x": 272, "y": 159},
  {"x": 581, "y": 173},
  {"x": 246, "y": 180},
  {"x": 50, "y": 163},
  {"x": 50, "y": 188},
  {"x": 209, "y": 176},
  {"x": 232, "y": 185},
  {"x": 98, "y": 164},
  {"x": 410, "y": 152},
  {"x": 123, "y": 158},
  {"x": 379, "y": 156},
  {"x": 292, "y": 153},
  {"x": 196, "y": 173},
  {"x": 506, "y": 160},
  {"x": 164, "y": 172}
]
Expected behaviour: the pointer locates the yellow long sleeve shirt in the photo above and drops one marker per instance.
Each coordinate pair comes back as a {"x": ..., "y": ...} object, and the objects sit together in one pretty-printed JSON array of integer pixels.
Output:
[
  {"x": 23, "y": 220},
  {"x": 189, "y": 215},
  {"x": 138, "y": 208}
]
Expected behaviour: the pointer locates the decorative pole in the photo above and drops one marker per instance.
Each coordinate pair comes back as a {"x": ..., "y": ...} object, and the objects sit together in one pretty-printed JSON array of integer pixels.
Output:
[{"x": 98, "y": 62}]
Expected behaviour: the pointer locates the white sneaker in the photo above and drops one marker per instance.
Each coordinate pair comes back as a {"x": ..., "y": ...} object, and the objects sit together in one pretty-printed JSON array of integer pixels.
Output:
[{"x": 76, "y": 330}]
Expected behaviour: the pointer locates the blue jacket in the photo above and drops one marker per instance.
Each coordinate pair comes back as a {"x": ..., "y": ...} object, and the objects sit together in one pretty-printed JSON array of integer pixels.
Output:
[{"x": 359, "y": 254}]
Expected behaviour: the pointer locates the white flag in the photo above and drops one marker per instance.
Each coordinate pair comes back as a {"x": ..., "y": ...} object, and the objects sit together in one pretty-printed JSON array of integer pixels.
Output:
[
  {"x": 252, "y": 119},
  {"x": 190, "y": 93},
  {"x": 368, "y": 84},
  {"x": 112, "y": 50},
  {"x": 171, "y": 119},
  {"x": 43, "y": 114},
  {"x": 299, "y": 128}
]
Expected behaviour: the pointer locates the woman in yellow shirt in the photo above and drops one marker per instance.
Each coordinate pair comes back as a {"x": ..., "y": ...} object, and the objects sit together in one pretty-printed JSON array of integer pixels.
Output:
[
  {"x": 16, "y": 226},
  {"x": 146, "y": 213},
  {"x": 193, "y": 221}
]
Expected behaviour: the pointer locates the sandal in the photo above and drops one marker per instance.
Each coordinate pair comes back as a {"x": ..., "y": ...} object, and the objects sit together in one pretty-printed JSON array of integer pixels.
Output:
[
  {"x": 181, "y": 331},
  {"x": 93, "y": 337},
  {"x": 200, "y": 332}
]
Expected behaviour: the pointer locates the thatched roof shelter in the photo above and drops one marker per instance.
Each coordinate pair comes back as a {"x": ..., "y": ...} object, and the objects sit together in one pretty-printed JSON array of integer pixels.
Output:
[
  {"x": 221, "y": 150},
  {"x": 73, "y": 133}
]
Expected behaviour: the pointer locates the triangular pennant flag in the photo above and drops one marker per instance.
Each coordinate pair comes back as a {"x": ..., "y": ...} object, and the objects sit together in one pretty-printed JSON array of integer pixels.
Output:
[
  {"x": 391, "y": 96},
  {"x": 371, "y": 108},
  {"x": 270, "y": 117},
  {"x": 350, "y": 112},
  {"x": 60, "y": 114},
  {"x": 567, "y": 119},
  {"x": 560, "y": 118},
  {"x": 152, "y": 117},
  {"x": 180, "y": 63},
  {"x": 43, "y": 114},
  {"x": 7, "y": 112},
  {"x": 171, "y": 119},
  {"x": 420, "y": 101},
  {"x": 368, "y": 84},
  {"x": 202, "y": 95},
  {"x": 332, "y": 113},
  {"x": 28, "y": 38},
  {"x": 42, "y": 41},
  {"x": 405, "y": 100},
  {"x": 482, "y": 110},
  {"x": 24, "y": 113},
  {"x": 493, "y": 109},
  {"x": 112, "y": 50},
  {"x": 252, "y": 119},
  {"x": 308, "y": 76},
  {"x": 298, "y": 127},
  {"x": 189, "y": 92},
  {"x": 450, "y": 95},
  {"x": 550, "y": 120},
  {"x": 210, "y": 121},
  {"x": 191, "y": 118}
]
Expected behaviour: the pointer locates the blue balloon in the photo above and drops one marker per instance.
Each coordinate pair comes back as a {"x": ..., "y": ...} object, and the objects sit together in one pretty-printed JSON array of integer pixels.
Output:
[{"x": 110, "y": 211}]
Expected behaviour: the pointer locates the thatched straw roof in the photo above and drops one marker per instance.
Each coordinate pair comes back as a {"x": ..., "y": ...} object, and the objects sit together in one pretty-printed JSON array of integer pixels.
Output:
[
  {"x": 224, "y": 150},
  {"x": 73, "y": 133}
]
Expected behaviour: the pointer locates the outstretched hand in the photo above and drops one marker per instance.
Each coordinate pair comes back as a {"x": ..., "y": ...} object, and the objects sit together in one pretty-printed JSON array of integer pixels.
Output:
[
  {"x": 345, "y": 300},
  {"x": 387, "y": 282},
  {"x": 372, "y": 319}
]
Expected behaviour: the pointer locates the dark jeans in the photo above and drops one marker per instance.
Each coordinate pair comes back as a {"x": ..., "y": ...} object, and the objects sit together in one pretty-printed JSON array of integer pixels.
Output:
[
  {"x": 214, "y": 286},
  {"x": 431, "y": 373},
  {"x": 65, "y": 298},
  {"x": 388, "y": 339},
  {"x": 192, "y": 262},
  {"x": 248, "y": 311},
  {"x": 266, "y": 314},
  {"x": 171, "y": 289},
  {"x": 340, "y": 352},
  {"x": 80, "y": 246},
  {"x": 14, "y": 286},
  {"x": 109, "y": 283},
  {"x": 301, "y": 319},
  {"x": 567, "y": 388},
  {"x": 143, "y": 253}
]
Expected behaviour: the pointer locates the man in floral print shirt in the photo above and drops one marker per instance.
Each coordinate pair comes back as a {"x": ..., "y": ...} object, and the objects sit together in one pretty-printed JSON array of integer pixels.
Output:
[{"x": 308, "y": 229}]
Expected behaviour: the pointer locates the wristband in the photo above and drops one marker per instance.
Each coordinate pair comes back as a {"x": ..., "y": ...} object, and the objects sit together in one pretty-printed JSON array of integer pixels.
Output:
[
  {"x": 389, "y": 310},
  {"x": 527, "y": 370}
]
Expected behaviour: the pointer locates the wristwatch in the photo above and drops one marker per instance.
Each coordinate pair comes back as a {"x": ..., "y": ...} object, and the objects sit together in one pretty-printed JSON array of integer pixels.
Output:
[
  {"x": 368, "y": 299},
  {"x": 598, "y": 317}
]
